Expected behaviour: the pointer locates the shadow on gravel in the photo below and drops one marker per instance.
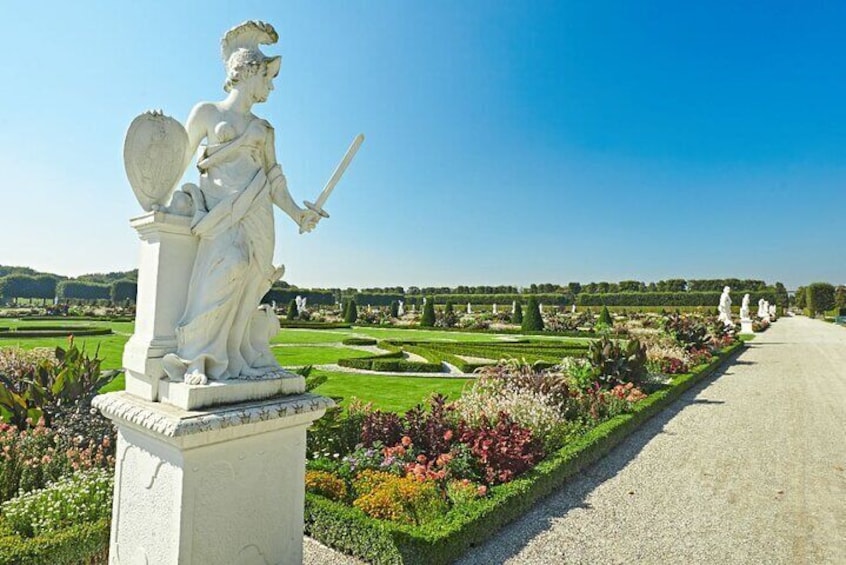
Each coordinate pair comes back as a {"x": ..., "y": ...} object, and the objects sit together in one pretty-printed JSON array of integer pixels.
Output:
[
  {"x": 514, "y": 537},
  {"x": 744, "y": 363}
]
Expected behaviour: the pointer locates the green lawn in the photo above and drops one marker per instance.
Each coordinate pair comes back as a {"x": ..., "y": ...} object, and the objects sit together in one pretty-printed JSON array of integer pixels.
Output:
[
  {"x": 298, "y": 356},
  {"x": 302, "y": 347},
  {"x": 396, "y": 394}
]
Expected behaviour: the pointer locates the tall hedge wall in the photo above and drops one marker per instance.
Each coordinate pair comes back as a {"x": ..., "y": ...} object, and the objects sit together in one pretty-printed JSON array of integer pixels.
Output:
[
  {"x": 669, "y": 298},
  {"x": 501, "y": 299}
]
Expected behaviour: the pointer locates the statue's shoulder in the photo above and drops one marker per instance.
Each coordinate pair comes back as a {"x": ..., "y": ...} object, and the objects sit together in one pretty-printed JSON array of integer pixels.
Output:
[{"x": 204, "y": 111}]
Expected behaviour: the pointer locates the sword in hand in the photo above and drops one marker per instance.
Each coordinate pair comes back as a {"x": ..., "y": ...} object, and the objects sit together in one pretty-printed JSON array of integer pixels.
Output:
[{"x": 317, "y": 206}]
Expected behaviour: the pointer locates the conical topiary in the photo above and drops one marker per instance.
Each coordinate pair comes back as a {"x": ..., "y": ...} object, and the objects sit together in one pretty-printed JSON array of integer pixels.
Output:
[
  {"x": 351, "y": 313},
  {"x": 532, "y": 320},
  {"x": 517, "y": 316},
  {"x": 428, "y": 319},
  {"x": 292, "y": 310}
]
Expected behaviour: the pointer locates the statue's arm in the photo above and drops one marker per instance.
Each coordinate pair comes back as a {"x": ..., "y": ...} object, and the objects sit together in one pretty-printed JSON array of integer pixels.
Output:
[
  {"x": 279, "y": 184},
  {"x": 197, "y": 127}
]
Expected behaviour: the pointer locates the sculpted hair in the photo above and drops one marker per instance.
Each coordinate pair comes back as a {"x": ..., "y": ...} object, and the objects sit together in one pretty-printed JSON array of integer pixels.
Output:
[{"x": 243, "y": 64}]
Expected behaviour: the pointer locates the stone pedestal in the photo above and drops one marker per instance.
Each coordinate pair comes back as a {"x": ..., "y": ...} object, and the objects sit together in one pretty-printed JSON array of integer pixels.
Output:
[
  {"x": 746, "y": 326},
  {"x": 218, "y": 485},
  {"x": 167, "y": 253}
]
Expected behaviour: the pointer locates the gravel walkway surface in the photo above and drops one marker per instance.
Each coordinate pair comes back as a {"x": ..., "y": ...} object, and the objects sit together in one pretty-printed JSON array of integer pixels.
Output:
[{"x": 747, "y": 467}]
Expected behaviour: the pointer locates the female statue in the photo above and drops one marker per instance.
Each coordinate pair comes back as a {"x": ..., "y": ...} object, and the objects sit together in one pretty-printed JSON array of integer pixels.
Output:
[{"x": 223, "y": 333}]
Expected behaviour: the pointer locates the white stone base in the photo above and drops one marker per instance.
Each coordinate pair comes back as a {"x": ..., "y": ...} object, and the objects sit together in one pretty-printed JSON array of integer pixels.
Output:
[
  {"x": 746, "y": 326},
  {"x": 221, "y": 485},
  {"x": 216, "y": 393}
]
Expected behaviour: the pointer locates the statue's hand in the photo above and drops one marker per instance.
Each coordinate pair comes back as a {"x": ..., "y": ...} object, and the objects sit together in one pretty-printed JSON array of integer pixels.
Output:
[{"x": 308, "y": 220}]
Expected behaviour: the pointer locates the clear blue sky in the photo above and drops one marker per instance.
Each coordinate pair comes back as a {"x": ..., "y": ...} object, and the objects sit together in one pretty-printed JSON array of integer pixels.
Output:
[{"x": 507, "y": 142}]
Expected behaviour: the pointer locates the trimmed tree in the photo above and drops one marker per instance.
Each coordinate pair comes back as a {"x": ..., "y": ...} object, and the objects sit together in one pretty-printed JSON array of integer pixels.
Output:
[
  {"x": 532, "y": 320},
  {"x": 517, "y": 316},
  {"x": 292, "y": 310},
  {"x": 819, "y": 297},
  {"x": 394, "y": 309},
  {"x": 428, "y": 318},
  {"x": 351, "y": 313},
  {"x": 605, "y": 318}
]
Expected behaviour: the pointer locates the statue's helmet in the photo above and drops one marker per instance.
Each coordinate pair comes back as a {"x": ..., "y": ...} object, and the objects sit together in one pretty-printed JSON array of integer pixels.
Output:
[{"x": 241, "y": 55}]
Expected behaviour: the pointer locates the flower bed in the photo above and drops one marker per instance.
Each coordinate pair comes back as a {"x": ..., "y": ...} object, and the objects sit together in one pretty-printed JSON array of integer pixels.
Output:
[{"x": 444, "y": 538}]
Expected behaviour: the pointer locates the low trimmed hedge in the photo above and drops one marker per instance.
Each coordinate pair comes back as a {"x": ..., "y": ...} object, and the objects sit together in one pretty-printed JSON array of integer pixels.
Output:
[
  {"x": 55, "y": 331},
  {"x": 296, "y": 324},
  {"x": 446, "y": 539},
  {"x": 359, "y": 341},
  {"x": 80, "y": 544},
  {"x": 391, "y": 362}
]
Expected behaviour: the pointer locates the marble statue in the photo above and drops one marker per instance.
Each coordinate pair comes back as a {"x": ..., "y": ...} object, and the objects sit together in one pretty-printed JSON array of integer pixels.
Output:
[
  {"x": 725, "y": 307},
  {"x": 513, "y": 307},
  {"x": 469, "y": 308},
  {"x": 301, "y": 302},
  {"x": 744, "y": 307},
  {"x": 401, "y": 309},
  {"x": 494, "y": 309},
  {"x": 223, "y": 334},
  {"x": 573, "y": 309}
]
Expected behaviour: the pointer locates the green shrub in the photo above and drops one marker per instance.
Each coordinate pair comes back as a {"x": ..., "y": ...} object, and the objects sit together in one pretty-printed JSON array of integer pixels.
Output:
[
  {"x": 819, "y": 297},
  {"x": 517, "y": 317},
  {"x": 359, "y": 341},
  {"x": 428, "y": 318},
  {"x": 292, "y": 310},
  {"x": 85, "y": 543},
  {"x": 394, "y": 309},
  {"x": 532, "y": 320},
  {"x": 351, "y": 312},
  {"x": 605, "y": 318}
]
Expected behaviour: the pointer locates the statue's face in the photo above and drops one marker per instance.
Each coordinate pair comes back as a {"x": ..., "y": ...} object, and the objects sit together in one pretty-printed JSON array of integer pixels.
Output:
[{"x": 260, "y": 85}]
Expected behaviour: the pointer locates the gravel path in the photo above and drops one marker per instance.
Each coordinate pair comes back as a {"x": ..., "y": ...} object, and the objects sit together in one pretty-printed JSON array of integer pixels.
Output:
[{"x": 747, "y": 467}]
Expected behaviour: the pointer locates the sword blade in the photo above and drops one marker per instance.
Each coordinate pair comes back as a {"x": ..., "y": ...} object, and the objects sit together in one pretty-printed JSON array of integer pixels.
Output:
[{"x": 339, "y": 171}]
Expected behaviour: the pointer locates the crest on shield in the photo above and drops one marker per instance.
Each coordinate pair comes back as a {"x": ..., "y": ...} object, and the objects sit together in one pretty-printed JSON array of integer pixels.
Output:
[{"x": 154, "y": 157}]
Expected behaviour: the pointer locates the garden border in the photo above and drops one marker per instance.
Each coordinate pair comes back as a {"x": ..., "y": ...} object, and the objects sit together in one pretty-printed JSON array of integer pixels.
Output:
[
  {"x": 81, "y": 543},
  {"x": 444, "y": 540}
]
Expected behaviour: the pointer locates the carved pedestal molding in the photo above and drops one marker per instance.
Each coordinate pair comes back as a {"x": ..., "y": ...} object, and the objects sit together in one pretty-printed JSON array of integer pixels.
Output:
[
  {"x": 221, "y": 485},
  {"x": 167, "y": 253}
]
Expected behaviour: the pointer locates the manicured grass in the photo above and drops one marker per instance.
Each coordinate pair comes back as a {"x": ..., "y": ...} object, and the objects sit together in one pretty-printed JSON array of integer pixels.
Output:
[
  {"x": 296, "y": 335},
  {"x": 746, "y": 337},
  {"x": 298, "y": 356},
  {"x": 390, "y": 333},
  {"x": 395, "y": 394}
]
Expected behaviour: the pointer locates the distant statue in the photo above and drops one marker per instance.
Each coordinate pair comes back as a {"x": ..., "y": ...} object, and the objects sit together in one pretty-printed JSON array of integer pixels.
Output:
[
  {"x": 469, "y": 308},
  {"x": 725, "y": 307},
  {"x": 513, "y": 307},
  {"x": 401, "y": 309},
  {"x": 573, "y": 309},
  {"x": 301, "y": 302},
  {"x": 223, "y": 334},
  {"x": 762, "y": 308},
  {"x": 494, "y": 309},
  {"x": 744, "y": 307}
]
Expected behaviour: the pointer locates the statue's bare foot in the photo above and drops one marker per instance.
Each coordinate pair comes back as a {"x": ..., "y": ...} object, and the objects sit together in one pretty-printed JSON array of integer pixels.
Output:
[
  {"x": 194, "y": 377},
  {"x": 252, "y": 372}
]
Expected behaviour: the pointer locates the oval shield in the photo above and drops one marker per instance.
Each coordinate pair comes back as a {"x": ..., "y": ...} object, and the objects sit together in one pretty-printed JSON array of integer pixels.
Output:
[{"x": 153, "y": 156}]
